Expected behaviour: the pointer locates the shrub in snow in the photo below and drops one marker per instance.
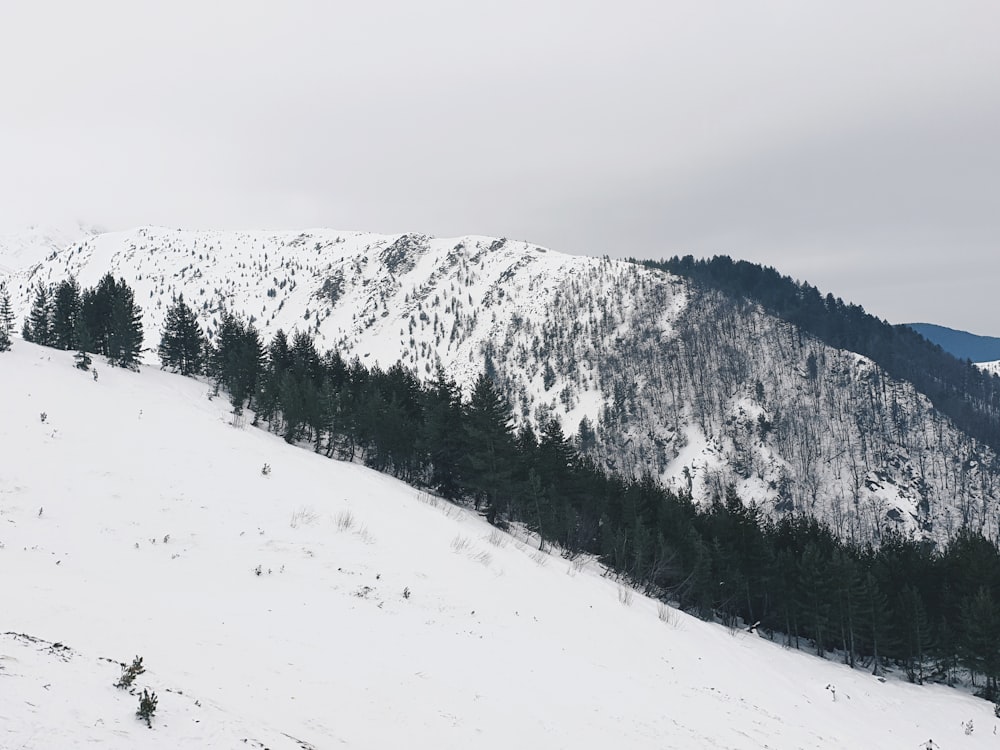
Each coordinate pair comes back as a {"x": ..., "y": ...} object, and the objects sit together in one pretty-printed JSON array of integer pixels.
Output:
[
  {"x": 129, "y": 673},
  {"x": 266, "y": 469},
  {"x": 147, "y": 707},
  {"x": 345, "y": 520}
]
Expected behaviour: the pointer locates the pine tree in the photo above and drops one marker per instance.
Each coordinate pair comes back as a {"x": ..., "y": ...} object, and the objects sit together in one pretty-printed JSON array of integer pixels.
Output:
[
  {"x": 96, "y": 308},
  {"x": 84, "y": 344},
  {"x": 915, "y": 633},
  {"x": 37, "y": 326},
  {"x": 814, "y": 585},
  {"x": 6, "y": 319},
  {"x": 980, "y": 643},
  {"x": 65, "y": 311},
  {"x": 874, "y": 615},
  {"x": 182, "y": 346},
  {"x": 236, "y": 360},
  {"x": 125, "y": 329},
  {"x": 489, "y": 447},
  {"x": 441, "y": 434}
]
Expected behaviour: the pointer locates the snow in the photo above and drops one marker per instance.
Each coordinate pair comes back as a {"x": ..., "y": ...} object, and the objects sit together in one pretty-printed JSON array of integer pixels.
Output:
[
  {"x": 990, "y": 367},
  {"x": 27, "y": 248},
  {"x": 654, "y": 362},
  {"x": 134, "y": 517}
]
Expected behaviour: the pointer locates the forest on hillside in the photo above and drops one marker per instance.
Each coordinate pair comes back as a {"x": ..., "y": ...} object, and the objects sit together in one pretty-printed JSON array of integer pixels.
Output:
[
  {"x": 933, "y": 611},
  {"x": 965, "y": 393}
]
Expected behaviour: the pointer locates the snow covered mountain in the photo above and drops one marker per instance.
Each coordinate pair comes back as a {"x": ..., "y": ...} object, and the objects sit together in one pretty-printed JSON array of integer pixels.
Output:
[
  {"x": 666, "y": 377},
  {"x": 322, "y": 605},
  {"x": 19, "y": 250}
]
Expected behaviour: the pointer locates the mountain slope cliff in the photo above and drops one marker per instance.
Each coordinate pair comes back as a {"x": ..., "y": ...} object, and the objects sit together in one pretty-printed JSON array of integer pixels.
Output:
[{"x": 671, "y": 378}]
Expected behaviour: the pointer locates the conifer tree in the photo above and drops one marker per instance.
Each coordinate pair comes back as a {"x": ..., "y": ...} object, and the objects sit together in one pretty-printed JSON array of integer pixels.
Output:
[
  {"x": 125, "y": 329},
  {"x": 182, "y": 345},
  {"x": 269, "y": 391},
  {"x": 915, "y": 633},
  {"x": 84, "y": 344},
  {"x": 96, "y": 308},
  {"x": 489, "y": 447},
  {"x": 236, "y": 360},
  {"x": 441, "y": 434},
  {"x": 65, "y": 311},
  {"x": 6, "y": 319},
  {"x": 980, "y": 645},
  {"x": 37, "y": 326}
]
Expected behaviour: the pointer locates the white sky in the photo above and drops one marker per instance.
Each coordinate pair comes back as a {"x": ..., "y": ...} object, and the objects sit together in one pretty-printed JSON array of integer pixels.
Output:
[{"x": 852, "y": 144}]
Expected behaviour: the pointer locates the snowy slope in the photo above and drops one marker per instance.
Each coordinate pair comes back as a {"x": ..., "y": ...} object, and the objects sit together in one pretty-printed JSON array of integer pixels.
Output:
[
  {"x": 677, "y": 381},
  {"x": 991, "y": 367},
  {"x": 133, "y": 520},
  {"x": 27, "y": 248}
]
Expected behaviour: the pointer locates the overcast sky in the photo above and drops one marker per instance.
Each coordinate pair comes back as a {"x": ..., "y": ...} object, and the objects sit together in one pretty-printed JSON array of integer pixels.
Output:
[{"x": 852, "y": 144}]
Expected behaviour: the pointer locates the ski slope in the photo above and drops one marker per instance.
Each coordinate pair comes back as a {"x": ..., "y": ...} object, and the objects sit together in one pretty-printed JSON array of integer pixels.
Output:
[{"x": 270, "y": 612}]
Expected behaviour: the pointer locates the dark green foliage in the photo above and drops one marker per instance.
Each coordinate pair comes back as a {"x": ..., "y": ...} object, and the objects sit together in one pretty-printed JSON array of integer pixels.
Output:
[
  {"x": 182, "y": 345},
  {"x": 124, "y": 340},
  {"x": 930, "y": 611},
  {"x": 980, "y": 646},
  {"x": 236, "y": 358},
  {"x": 37, "y": 326},
  {"x": 129, "y": 673},
  {"x": 111, "y": 322},
  {"x": 488, "y": 463},
  {"x": 147, "y": 707},
  {"x": 65, "y": 314},
  {"x": 441, "y": 435},
  {"x": 84, "y": 344},
  {"x": 6, "y": 319}
]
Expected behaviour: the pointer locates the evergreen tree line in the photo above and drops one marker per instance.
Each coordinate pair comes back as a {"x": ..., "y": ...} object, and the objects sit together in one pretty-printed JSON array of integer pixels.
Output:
[
  {"x": 100, "y": 320},
  {"x": 931, "y": 611},
  {"x": 958, "y": 389},
  {"x": 6, "y": 319}
]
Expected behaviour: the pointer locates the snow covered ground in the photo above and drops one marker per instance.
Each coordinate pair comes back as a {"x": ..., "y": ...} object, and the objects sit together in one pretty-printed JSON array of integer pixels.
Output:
[
  {"x": 991, "y": 367},
  {"x": 323, "y": 605},
  {"x": 24, "y": 249}
]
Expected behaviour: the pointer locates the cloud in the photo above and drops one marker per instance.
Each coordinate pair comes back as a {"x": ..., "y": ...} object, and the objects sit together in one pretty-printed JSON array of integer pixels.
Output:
[{"x": 842, "y": 139}]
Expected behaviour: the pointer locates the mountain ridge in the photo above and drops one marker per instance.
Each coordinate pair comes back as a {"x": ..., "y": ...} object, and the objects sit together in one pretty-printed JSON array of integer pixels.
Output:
[
  {"x": 962, "y": 344},
  {"x": 677, "y": 380}
]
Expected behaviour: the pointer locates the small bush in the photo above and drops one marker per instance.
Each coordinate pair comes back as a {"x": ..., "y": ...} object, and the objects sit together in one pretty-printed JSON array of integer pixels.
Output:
[
  {"x": 303, "y": 517},
  {"x": 147, "y": 707},
  {"x": 459, "y": 543},
  {"x": 345, "y": 520},
  {"x": 265, "y": 469},
  {"x": 406, "y": 593},
  {"x": 129, "y": 673},
  {"x": 625, "y": 596}
]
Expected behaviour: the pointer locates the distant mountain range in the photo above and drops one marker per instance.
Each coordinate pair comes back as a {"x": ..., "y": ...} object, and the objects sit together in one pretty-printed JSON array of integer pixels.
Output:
[
  {"x": 961, "y": 344},
  {"x": 705, "y": 377},
  {"x": 30, "y": 246}
]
